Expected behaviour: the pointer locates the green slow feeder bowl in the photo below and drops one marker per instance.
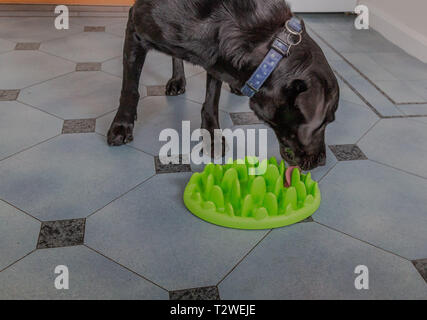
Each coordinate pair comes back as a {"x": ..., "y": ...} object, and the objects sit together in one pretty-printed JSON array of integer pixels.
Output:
[{"x": 228, "y": 196}]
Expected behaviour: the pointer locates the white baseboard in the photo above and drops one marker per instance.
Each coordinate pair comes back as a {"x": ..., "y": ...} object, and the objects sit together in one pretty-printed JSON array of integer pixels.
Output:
[{"x": 398, "y": 33}]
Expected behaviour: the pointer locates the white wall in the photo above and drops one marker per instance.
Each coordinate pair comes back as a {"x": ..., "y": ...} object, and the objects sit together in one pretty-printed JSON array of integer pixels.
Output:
[
  {"x": 403, "y": 22},
  {"x": 322, "y": 5}
]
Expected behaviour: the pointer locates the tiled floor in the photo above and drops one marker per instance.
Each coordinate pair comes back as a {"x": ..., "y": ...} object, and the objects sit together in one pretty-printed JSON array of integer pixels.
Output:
[{"x": 115, "y": 216}]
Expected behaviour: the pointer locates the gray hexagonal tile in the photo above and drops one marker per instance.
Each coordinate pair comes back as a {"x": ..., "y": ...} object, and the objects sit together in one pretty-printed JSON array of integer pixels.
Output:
[
  {"x": 377, "y": 204},
  {"x": 71, "y": 176},
  {"x": 86, "y": 46},
  {"x": 97, "y": 21},
  {"x": 419, "y": 86},
  {"x": 400, "y": 91},
  {"x": 310, "y": 261},
  {"x": 400, "y": 143},
  {"x": 402, "y": 65},
  {"x": 347, "y": 94},
  {"x": 156, "y": 114},
  {"x": 76, "y": 95},
  {"x": 414, "y": 110},
  {"x": 352, "y": 121},
  {"x": 6, "y": 45},
  {"x": 369, "y": 67},
  {"x": 422, "y": 119},
  {"x": 33, "y": 29},
  {"x": 22, "y": 126},
  {"x": 119, "y": 28},
  {"x": 150, "y": 231},
  {"x": 91, "y": 276},
  {"x": 157, "y": 68},
  {"x": 18, "y": 234},
  {"x": 380, "y": 102},
  {"x": 196, "y": 91},
  {"x": 23, "y": 68}
]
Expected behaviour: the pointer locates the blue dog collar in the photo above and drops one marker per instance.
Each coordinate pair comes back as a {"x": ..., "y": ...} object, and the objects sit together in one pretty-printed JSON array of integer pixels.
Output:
[{"x": 279, "y": 50}]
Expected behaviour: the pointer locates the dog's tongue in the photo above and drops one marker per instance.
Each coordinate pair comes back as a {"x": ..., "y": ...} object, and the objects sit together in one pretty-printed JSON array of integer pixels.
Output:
[{"x": 288, "y": 176}]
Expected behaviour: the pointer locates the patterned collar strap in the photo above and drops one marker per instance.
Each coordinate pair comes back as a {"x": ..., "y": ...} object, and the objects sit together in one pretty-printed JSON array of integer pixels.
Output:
[{"x": 279, "y": 50}]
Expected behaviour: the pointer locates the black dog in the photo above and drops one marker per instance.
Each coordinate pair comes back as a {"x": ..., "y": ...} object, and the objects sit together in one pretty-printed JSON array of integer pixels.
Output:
[{"x": 230, "y": 38}]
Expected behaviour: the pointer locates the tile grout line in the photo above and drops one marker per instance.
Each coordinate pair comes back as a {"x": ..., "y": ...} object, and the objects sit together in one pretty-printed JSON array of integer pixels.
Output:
[
  {"x": 364, "y": 100},
  {"x": 30, "y": 147},
  {"x": 123, "y": 266},
  {"x": 243, "y": 258},
  {"x": 106, "y": 113},
  {"x": 120, "y": 196},
  {"x": 38, "y": 109},
  {"x": 364, "y": 241},
  {"x": 127, "y": 145},
  {"x": 54, "y": 78},
  {"x": 329, "y": 171},
  {"x": 369, "y": 130},
  {"x": 398, "y": 169},
  {"x": 17, "y": 260},
  {"x": 20, "y": 210}
]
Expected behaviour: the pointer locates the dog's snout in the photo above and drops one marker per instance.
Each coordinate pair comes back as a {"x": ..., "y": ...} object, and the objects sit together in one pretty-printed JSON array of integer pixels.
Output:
[
  {"x": 321, "y": 161},
  {"x": 313, "y": 161}
]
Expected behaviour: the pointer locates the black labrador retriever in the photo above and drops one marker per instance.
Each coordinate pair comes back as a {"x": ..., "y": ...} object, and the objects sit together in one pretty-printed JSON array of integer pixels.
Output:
[{"x": 230, "y": 39}]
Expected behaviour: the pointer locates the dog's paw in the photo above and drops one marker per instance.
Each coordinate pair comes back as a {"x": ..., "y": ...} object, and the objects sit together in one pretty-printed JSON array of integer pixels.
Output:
[
  {"x": 175, "y": 87},
  {"x": 120, "y": 133},
  {"x": 235, "y": 91}
]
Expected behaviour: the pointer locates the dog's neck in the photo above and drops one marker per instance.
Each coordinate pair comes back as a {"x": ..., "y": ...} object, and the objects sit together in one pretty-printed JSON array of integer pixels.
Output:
[{"x": 248, "y": 34}]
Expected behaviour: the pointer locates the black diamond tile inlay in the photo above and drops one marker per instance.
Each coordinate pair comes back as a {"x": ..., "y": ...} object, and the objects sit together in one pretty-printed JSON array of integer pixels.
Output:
[
  {"x": 156, "y": 91},
  {"x": 244, "y": 118},
  {"x": 94, "y": 29},
  {"x": 421, "y": 266},
  {"x": 62, "y": 233},
  {"x": 205, "y": 293},
  {"x": 88, "y": 66},
  {"x": 79, "y": 126},
  {"x": 27, "y": 46},
  {"x": 348, "y": 152},
  {"x": 8, "y": 95},
  {"x": 171, "y": 167}
]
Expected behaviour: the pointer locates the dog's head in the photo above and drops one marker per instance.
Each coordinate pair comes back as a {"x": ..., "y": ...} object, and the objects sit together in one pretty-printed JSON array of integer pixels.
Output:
[{"x": 298, "y": 101}]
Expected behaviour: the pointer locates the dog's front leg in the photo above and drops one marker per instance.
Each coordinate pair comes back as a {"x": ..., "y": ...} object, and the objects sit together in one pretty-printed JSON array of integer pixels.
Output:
[
  {"x": 210, "y": 120},
  {"x": 177, "y": 83},
  {"x": 134, "y": 53}
]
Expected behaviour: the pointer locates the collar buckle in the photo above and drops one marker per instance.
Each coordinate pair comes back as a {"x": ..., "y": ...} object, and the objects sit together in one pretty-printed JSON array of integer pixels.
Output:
[{"x": 292, "y": 36}]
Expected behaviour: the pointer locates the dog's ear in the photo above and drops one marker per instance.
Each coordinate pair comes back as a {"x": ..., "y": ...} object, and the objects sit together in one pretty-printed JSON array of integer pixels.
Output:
[
  {"x": 303, "y": 24},
  {"x": 294, "y": 89}
]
